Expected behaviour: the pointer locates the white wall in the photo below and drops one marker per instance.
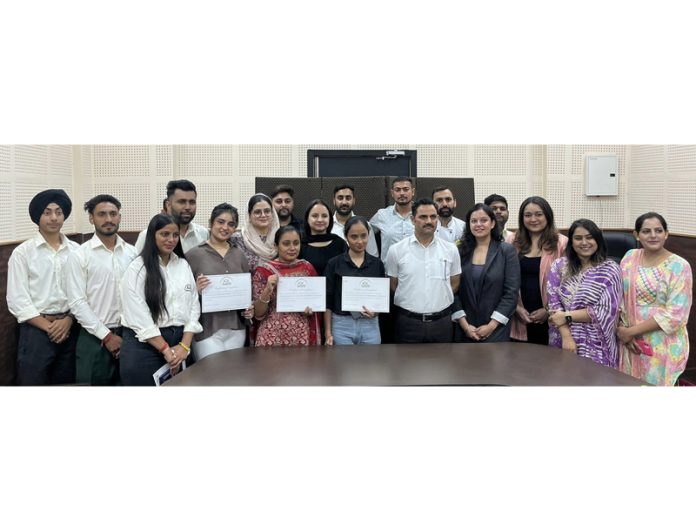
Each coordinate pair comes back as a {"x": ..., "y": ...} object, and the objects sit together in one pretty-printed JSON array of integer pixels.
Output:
[{"x": 661, "y": 178}]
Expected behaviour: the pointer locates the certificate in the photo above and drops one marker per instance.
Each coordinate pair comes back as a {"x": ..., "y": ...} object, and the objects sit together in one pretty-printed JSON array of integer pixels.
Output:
[
  {"x": 370, "y": 292},
  {"x": 227, "y": 292},
  {"x": 297, "y": 293},
  {"x": 164, "y": 373}
]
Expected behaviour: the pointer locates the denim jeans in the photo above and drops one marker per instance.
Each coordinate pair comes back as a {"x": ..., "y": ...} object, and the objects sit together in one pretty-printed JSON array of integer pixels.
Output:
[{"x": 349, "y": 331}]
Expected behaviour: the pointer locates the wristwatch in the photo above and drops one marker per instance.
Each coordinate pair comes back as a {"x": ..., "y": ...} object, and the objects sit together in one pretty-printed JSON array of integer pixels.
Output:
[{"x": 568, "y": 318}]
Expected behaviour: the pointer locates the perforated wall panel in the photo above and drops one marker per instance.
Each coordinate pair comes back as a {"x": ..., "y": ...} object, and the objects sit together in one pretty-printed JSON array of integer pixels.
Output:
[
  {"x": 647, "y": 159},
  {"x": 500, "y": 160},
  {"x": 165, "y": 161},
  {"x": 681, "y": 158},
  {"x": 115, "y": 163},
  {"x": 274, "y": 160},
  {"x": 31, "y": 160},
  {"x": 4, "y": 159},
  {"x": 137, "y": 204},
  {"x": 556, "y": 159},
  {"x": 197, "y": 162},
  {"x": 443, "y": 160},
  {"x": 247, "y": 188},
  {"x": 61, "y": 161},
  {"x": 211, "y": 194}
]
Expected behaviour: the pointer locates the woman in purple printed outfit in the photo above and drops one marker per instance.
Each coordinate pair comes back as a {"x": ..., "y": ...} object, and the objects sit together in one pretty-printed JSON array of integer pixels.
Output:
[{"x": 585, "y": 292}]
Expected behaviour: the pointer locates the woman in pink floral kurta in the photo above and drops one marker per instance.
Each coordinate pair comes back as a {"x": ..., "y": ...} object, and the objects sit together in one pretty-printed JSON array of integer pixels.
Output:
[{"x": 657, "y": 299}]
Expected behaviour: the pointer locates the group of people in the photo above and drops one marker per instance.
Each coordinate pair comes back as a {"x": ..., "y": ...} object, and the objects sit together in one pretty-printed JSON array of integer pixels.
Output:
[{"x": 106, "y": 312}]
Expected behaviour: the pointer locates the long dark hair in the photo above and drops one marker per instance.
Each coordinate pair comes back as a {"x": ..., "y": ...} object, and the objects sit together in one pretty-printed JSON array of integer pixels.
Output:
[
  {"x": 468, "y": 243},
  {"x": 599, "y": 256},
  {"x": 310, "y": 207},
  {"x": 549, "y": 237},
  {"x": 155, "y": 287}
]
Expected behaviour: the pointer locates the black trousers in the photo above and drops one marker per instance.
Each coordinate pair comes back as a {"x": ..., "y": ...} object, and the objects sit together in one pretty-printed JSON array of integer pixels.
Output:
[
  {"x": 139, "y": 361},
  {"x": 410, "y": 330},
  {"x": 42, "y": 362}
]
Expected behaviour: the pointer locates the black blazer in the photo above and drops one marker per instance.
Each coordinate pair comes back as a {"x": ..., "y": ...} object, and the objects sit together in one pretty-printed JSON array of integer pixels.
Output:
[{"x": 497, "y": 292}]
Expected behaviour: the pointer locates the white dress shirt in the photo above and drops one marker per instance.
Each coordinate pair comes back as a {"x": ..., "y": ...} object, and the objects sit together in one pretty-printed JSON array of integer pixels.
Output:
[
  {"x": 371, "y": 248},
  {"x": 452, "y": 232},
  {"x": 423, "y": 274},
  {"x": 181, "y": 299},
  {"x": 195, "y": 235},
  {"x": 93, "y": 282},
  {"x": 392, "y": 226},
  {"x": 36, "y": 278}
]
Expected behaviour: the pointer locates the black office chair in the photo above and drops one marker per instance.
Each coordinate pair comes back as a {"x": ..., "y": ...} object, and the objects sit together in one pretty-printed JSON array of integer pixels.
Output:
[{"x": 618, "y": 243}]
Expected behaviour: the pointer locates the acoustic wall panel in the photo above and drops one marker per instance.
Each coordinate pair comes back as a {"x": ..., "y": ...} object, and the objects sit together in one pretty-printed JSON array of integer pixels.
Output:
[
  {"x": 8, "y": 207},
  {"x": 165, "y": 162},
  {"x": 5, "y": 159},
  {"x": 680, "y": 198},
  {"x": 31, "y": 160},
  {"x": 197, "y": 162},
  {"x": 137, "y": 208},
  {"x": 211, "y": 194},
  {"x": 647, "y": 159},
  {"x": 646, "y": 195},
  {"x": 556, "y": 196},
  {"x": 442, "y": 160},
  {"x": 24, "y": 191},
  {"x": 61, "y": 161},
  {"x": 556, "y": 159},
  {"x": 681, "y": 158},
  {"x": 270, "y": 160},
  {"x": 116, "y": 163},
  {"x": 247, "y": 188},
  {"x": 500, "y": 160}
]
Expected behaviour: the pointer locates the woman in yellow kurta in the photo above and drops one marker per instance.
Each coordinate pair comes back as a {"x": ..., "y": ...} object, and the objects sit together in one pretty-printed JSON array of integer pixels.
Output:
[{"x": 657, "y": 300}]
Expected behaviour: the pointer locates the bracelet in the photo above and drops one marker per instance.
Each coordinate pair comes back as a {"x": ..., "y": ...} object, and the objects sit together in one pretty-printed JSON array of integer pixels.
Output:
[
  {"x": 187, "y": 349},
  {"x": 107, "y": 337},
  {"x": 165, "y": 347}
]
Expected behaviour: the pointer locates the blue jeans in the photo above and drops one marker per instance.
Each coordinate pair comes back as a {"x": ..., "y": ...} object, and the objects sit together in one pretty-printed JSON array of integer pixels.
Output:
[{"x": 349, "y": 331}]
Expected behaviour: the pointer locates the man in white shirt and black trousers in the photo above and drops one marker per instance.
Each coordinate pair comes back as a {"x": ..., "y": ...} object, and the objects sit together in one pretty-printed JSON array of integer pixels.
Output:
[
  {"x": 181, "y": 204},
  {"x": 424, "y": 273},
  {"x": 93, "y": 282},
  {"x": 36, "y": 295}
]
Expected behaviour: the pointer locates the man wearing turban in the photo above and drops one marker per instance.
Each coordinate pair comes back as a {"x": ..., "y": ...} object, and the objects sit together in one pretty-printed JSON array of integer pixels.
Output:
[{"x": 36, "y": 295}]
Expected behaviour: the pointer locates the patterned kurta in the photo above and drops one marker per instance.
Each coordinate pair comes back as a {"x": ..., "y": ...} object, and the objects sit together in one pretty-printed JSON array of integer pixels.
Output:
[
  {"x": 662, "y": 293},
  {"x": 284, "y": 329},
  {"x": 597, "y": 289}
]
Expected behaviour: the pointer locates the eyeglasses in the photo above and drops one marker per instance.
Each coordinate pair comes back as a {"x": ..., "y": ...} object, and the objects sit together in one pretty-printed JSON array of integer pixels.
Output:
[{"x": 259, "y": 213}]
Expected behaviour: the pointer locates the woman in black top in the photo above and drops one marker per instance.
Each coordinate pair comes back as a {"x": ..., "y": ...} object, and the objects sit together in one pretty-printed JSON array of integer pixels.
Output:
[
  {"x": 351, "y": 328},
  {"x": 490, "y": 280},
  {"x": 319, "y": 244}
]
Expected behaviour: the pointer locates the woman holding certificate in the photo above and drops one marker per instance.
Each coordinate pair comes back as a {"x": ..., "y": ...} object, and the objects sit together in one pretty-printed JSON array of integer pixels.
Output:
[
  {"x": 256, "y": 237},
  {"x": 320, "y": 245},
  {"x": 490, "y": 280},
  {"x": 160, "y": 306},
  {"x": 222, "y": 330},
  {"x": 352, "y": 327},
  {"x": 283, "y": 329}
]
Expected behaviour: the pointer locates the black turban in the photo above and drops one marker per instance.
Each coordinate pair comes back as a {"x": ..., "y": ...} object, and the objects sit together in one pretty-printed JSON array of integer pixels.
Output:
[{"x": 41, "y": 200}]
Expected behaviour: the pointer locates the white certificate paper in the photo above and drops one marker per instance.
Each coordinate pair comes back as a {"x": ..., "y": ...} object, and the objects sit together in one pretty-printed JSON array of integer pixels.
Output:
[
  {"x": 297, "y": 293},
  {"x": 164, "y": 373},
  {"x": 370, "y": 292},
  {"x": 227, "y": 292}
]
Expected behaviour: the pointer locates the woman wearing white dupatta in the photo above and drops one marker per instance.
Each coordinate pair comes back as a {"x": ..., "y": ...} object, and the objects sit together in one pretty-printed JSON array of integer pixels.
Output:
[{"x": 256, "y": 237}]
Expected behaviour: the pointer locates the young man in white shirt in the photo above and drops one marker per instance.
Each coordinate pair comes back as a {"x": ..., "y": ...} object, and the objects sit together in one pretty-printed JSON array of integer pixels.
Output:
[
  {"x": 394, "y": 223},
  {"x": 499, "y": 205},
  {"x": 36, "y": 295},
  {"x": 94, "y": 275},
  {"x": 424, "y": 275},
  {"x": 344, "y": 202},
  {"x": 449, "y": 227},
  {"x": 181, "y": 205}
]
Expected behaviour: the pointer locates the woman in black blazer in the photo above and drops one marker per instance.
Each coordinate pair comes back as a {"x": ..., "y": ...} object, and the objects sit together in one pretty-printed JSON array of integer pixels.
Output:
[{"x": 490, "y": 280}]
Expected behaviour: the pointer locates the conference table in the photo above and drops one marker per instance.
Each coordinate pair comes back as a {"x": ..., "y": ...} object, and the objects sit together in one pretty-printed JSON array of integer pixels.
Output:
[{"x": 430, "y": 364}]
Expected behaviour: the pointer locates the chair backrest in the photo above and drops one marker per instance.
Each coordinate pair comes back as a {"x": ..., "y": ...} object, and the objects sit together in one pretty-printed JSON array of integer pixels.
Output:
[{"x": 618, "y": 243}]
